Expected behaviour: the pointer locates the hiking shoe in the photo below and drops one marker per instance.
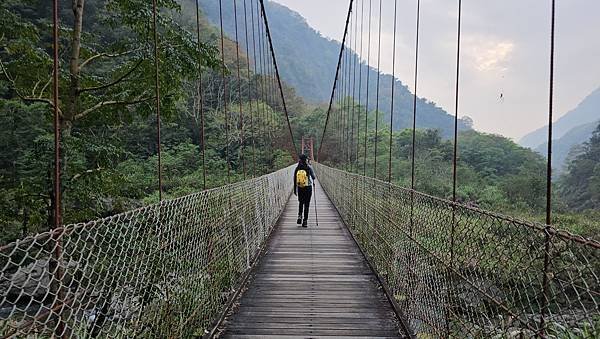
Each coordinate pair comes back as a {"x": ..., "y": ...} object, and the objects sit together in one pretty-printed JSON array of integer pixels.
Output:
[
  {"x": 299, "y": 221},
  {"x": 305, "y": 223}
]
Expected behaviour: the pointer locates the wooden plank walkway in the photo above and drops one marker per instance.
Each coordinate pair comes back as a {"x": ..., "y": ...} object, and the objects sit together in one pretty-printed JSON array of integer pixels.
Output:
[{"x": 312, "y": 282}]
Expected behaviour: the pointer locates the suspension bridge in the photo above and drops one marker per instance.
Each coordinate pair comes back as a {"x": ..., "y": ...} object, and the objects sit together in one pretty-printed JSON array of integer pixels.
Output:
[{"x": 377, "y": 260}]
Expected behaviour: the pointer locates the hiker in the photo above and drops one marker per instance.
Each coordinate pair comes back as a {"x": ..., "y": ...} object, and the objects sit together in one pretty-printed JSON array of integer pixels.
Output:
[{"x": 303, "y": 179}]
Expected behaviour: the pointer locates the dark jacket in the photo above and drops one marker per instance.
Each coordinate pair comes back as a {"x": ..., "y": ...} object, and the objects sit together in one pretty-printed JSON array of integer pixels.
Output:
[{"x": 309, "y": 170}]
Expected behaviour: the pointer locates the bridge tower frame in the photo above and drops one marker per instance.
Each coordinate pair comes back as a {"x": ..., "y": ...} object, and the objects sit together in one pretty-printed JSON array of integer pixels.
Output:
[{"x": 307, "y": 147}]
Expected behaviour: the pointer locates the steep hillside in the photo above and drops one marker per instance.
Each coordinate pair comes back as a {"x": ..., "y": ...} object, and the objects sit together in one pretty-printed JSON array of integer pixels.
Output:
[
  {"x": 580, "y": 186},
  {"x": 307, "y": 62},
  {"x": 587, "y": 111},
  {"x": 562, "y": 147}
]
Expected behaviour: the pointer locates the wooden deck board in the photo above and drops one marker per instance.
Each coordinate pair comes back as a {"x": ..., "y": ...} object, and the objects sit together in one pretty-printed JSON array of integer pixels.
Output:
[{"x": 312, "y": 282}]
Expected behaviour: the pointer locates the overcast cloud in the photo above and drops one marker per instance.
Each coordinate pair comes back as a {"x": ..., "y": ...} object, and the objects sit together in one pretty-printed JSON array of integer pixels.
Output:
[{"x": 505, "y": 51}]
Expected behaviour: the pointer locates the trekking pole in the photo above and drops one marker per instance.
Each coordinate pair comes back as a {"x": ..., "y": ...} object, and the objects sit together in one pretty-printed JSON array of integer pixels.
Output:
[{"x": 315, "y": 197}]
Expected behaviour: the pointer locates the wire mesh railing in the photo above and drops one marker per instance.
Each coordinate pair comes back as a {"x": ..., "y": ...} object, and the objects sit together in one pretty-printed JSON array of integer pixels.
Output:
[
  {"x": 163, "y": 270},
  {"x": 459, "y": 271}
]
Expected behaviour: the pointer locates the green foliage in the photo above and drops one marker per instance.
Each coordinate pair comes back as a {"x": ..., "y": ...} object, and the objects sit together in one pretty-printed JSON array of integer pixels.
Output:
[
  {"x": 493, "y": 172},
  {"x": 580, "y": 185},
  {"x": 109, "y": 151}
]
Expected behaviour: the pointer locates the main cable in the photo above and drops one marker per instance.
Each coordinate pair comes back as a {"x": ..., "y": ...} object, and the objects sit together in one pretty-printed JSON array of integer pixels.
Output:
[
  {"x": 287, "y": 117},
  {"x": 333, "y": 91}
]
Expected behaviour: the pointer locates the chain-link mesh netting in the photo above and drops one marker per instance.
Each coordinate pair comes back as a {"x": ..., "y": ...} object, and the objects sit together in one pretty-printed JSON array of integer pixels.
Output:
[
  {"x": 486, "y": 276},
  {"x": 165, "y": 269}
]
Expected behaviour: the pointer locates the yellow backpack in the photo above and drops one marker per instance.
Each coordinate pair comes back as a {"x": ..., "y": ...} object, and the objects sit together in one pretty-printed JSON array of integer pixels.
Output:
[{"x": 301, "y": 178}]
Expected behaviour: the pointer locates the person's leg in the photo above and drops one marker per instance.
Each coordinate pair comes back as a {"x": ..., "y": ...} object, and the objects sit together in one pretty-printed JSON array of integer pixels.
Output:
[
  {"x": 307, "y": 196},
  {"x": 300, "y": 206},
  {"x": 307, "y": 205}
]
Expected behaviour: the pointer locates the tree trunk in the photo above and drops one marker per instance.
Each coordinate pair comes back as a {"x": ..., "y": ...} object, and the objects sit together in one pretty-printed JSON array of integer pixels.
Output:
[{"x": 73, "y": 92}]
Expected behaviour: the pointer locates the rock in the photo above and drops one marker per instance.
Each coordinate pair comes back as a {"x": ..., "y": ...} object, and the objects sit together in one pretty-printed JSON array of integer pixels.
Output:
[{"x": 32, "y": 280}]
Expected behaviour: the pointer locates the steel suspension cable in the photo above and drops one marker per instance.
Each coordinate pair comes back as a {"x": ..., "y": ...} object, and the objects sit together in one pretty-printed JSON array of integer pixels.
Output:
[
  {"x": 377, "y": 92},
  {"x": 157, "y": 99},
  {"x": 272, "y": 88},
  {"x": 362, "y": 13},
  {"x": 268, "y": 113},
  {"x": 225, "y": 92},
  {"x": 392, "y": 99},
  {"x": 340, "y": 118},
  {"x": 239, "y": 76},
  {"x": 337, "y": 71},
  {"x": 354, "y": 60},
  {"x": 546, "y": 274},
  {"x": 272, "y": 84},
  {"x": 550, "y": 119},
  {"x": 346, "y": 98},
  {"x": 455, "y": 144},
  {"x": 57, "y": 254},
  {"x": 456, "y": 97},
  {"x": 56, "y": 118},
  {"x": 367, "y": 97},
  {"x": 351, "y": 84},
  {"x": 414, "y": 122},
  {"x": 259, "y": 75},
  {"x": 252, "y": 132},
  {"x": 256, "y": 69},
  {"x": 342, "y": 112},
  {"x": 266, "y": 83},
  {"x": 200, "y": 98},
  {"x": 262, "y": 63},
  {"x": 274, "y": 58}
]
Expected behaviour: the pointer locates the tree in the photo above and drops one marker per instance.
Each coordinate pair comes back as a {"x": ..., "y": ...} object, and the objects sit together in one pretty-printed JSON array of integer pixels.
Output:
[
  {"x": 106, "y": 57},
  {"x": 580, "y": 185}
]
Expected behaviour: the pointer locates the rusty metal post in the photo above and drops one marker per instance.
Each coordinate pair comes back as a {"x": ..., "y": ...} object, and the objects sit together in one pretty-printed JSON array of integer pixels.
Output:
[
  {"x": 392, "y": 103},
  {"x": 547, "y": 238},
  {"x": 157, "y": 94},
  {"x": 239, "y": 76},
  {"x": 61, "y": 329},
  {"x": 201, "y": 99},
  {"x": 414, "y": 124},
  {"x": 225, "y": 93},
  {"x": 454, "y": 161}
]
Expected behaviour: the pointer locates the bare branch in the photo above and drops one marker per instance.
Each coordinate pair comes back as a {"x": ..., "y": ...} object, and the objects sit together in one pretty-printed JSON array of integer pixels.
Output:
[
  {"x": 90, "y": 171},
  {"x": 46, "y": 85},
  {"x": 24, "y": 97},
  {"x": 111, "y": 103},
  {"x": 118, "y": 80},
  {"x": 106, "y": 55},
  {"x": 35, "y": 87}
]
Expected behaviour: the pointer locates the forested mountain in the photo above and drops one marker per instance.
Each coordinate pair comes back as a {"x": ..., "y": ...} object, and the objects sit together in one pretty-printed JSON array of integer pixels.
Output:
[
  {"x": 564, "y": 146},
  {"x": 588, "y": 111},
  {"x": 580, "y": 185},
  {"x": 307, "y": 62}
]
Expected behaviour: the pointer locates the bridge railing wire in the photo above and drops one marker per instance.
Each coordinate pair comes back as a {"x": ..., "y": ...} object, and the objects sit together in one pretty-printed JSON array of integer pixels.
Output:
[
  {"x": 493, "y": 284},
  {"x": 163, "y": 270}
]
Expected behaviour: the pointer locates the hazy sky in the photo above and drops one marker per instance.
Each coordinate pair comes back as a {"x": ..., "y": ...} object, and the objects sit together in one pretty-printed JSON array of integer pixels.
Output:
[{"x": 505, "y": 50}]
